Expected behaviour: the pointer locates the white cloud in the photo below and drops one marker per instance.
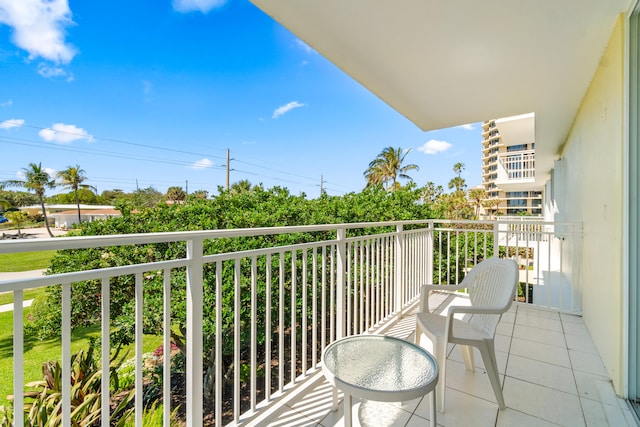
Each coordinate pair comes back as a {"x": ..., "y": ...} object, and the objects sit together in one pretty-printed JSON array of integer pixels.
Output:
[
  {"x": 202, "y": 164},
  {"x": 39, "y": 27},
  {"x": 434, "y": 147},
  {"x": 203, "y": 6},
  {"x": 468, "y": 126},
  {"x": 49, "y": 72},
  {"x": 61, "y": 133},
  {"x": 286, "y": 108},
  {"x": 11, "y": 123},
  {"x": 8, "y": 103}
]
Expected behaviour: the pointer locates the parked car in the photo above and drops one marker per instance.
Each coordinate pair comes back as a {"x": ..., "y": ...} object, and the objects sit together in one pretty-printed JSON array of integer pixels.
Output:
[{"x": 3, "y": 219}]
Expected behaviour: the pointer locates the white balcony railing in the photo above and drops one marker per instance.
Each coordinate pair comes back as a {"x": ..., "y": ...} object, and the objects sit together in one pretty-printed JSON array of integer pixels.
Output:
[
  {"x": 517, "y": 166},
  {"x": 271, "y": 310}
]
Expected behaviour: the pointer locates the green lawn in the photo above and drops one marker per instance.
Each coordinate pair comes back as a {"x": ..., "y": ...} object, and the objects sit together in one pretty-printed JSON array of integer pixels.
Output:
[
  {"x": 39, "y": 351},
  {"x": 28, "y": 294},
  {"x": 25, "y": 261}
]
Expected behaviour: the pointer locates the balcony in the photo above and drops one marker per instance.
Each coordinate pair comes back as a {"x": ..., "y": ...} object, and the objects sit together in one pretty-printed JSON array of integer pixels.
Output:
[
  {"x": 262, "y": 316},
  {"x": 515, "y": 169}
]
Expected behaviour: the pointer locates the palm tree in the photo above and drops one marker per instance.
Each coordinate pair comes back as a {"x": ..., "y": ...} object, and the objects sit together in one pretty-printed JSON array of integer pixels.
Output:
[
  {"x": 477, "y": 195},
  {"x": 72, "y": 178},
  {"x": 387, "y": 166},
  {"x": 18, "y": 218},
  {"x": 36, "y": 180},
  {"x": 458, "y": 168},
  {"x": 175, "y": 194},
  {"x": 242, "y": 186}
]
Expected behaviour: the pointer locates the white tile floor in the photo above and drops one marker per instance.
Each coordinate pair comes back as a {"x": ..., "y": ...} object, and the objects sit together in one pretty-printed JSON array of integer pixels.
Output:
[{"x": 551, "y": 373}]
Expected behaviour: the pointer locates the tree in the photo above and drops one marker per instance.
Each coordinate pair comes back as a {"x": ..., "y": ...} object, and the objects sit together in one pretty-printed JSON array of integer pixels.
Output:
[
  {"x": 388, "y": 167},
  {"x": 72, "y": 178},
  {"x": 477, "y": 195},
  {"x": 18, "y": 218},
  {"x": 37, "y": 180},
  {"x": 493, "y": 205},
  {"x": 458, "y": 182},
  {"x": 431, "y": 193},
  {"x": 176, "y": 194},
  {"x": 199, "y": 194},
  {"x": 240, "y": 187},
  {"x": 458, "y": 168},
  {"x": 146, "y": 197}
]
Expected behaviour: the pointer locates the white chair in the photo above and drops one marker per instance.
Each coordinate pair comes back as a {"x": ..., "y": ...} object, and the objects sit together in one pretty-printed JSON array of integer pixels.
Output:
[{"x": 491, "y": 286}]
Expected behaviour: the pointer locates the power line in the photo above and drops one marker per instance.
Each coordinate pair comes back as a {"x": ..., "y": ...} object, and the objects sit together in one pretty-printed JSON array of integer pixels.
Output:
[{"x": 106, "y": 153}]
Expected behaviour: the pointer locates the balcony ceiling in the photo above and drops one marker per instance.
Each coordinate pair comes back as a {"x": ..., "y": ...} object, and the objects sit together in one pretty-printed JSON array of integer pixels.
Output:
[
  {"x": 445, "y": 63},
  {"x": 516, "y": 130}
]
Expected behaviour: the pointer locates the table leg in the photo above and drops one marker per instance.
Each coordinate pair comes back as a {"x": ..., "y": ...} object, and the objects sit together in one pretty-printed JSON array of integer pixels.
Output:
[
  {"x": 347, "y": 410},
  {"x": 432, "y": 410},
  {"x": 334, "y": 408}
]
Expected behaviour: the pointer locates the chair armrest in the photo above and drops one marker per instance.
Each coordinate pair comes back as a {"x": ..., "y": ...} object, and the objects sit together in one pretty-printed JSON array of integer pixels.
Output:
[
  {"x": 448, "y": 331},
  {"x": 425, "y": 291},
  {"x": 473, "y": 310}
]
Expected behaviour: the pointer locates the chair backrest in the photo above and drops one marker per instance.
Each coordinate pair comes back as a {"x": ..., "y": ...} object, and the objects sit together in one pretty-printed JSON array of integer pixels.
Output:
[{"x": 492, "y": 284}]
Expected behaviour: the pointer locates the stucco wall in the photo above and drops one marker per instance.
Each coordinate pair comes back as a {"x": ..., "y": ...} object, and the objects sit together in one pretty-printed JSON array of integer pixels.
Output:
[{"x": 593, "y": 194}]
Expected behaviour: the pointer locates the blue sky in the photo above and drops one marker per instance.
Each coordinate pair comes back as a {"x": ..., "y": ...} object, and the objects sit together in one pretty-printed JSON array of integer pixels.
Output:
[{"x": 153, "y": 93}]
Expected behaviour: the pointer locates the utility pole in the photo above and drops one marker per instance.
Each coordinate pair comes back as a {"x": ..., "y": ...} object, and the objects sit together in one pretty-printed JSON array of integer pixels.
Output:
[
  {"x": 322, "y": 181},
  {"x": 186, "y": 186},
  {"x": 228, "y": 161}
]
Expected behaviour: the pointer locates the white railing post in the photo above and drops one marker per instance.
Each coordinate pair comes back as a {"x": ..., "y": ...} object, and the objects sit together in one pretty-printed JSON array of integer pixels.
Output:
[
  {"x": 496, "y": 239},
  {"x": 430, "y": 255},
  {"x": 399, "y": 279},
  {"x": 194, "y": 332},
  {"x": 341, "y": 268},
  {"x": 18, "y": 359}
]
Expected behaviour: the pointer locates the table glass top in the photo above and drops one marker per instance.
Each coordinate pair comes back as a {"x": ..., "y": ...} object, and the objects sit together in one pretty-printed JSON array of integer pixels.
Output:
[{"x": 380, "y": 363}]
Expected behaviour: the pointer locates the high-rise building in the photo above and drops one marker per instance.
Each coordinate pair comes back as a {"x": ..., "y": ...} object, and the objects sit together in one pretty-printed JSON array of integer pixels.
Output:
[{"x": 508, "y": 166}]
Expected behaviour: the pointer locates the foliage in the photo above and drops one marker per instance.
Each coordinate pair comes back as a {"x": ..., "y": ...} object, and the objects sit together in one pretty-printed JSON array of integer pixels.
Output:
[
  {"x": 248, "y": 209},
  {"x": 72, "y": 178},
  {"x": 37, "y": 179},
  {"x": 17, "y": 218},
  {"x": 152, "y": 417},
  {"x": 477, "y": 196},
  {"x": 85, "y": 196},
  {"x": 43, "y": 402},
  {"x": 175, "y": 194},
  {"x": 387, "y": 167},
  {"x": 17, "y": 199}
]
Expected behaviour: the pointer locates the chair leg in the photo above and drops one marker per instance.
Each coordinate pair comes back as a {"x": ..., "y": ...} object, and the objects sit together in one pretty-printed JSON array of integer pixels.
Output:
[
  {"x": 467, "y": 357},
  {"x": 440, "y": 353},
  {"x": 488, "y": 354}
]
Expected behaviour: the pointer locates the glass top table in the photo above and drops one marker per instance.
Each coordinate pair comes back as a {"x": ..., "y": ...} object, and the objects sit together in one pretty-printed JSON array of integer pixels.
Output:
[{"x": 381, "y": 368}]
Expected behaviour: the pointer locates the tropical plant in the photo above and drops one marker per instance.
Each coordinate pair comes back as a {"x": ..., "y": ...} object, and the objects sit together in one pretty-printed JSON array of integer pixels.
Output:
[
  {"x": 72, "y": 178},
  {"x": 493, "y": 205},
  {"x": 458, "y": 168},
  {"x": 387, "y": 167},
  {"x": 43, "y": 404},
  {"x": 17, "y": 218},
  {"x": 37, "y": 180},
  {"x": 175, "y": 194},
  {"x": 240, "y": 187},
  {"x": 458, "y": 183},
  {"x": 199, "y": 194},
  {"x": 477, "y": 195},
  {"x": 152, "y": 416}
]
